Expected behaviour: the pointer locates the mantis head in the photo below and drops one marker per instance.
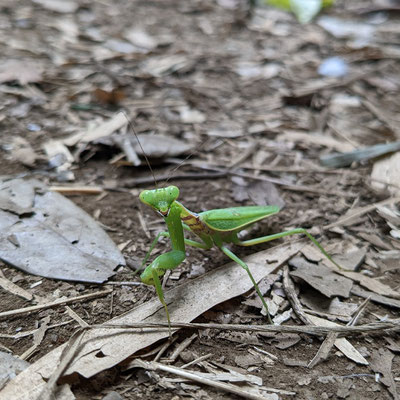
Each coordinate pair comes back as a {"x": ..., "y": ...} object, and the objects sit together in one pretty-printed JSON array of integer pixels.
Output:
[{"x": 160, "y": 200}]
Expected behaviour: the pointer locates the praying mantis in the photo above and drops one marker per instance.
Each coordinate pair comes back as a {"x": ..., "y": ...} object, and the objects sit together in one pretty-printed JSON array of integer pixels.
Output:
[{"x": 214, "y": 228}]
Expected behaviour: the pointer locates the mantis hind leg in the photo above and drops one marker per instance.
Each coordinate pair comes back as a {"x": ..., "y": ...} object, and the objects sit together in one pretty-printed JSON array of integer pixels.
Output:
[
  {"x": 296, "y": 231},
  {"x": 235, "y": 258}
]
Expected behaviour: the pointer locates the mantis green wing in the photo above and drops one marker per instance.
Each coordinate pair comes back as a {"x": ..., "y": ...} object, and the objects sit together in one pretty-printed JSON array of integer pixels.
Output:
[{"x": 236, "y": 218}]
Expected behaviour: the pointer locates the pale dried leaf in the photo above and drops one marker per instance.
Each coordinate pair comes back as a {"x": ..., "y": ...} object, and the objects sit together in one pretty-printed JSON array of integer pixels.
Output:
[
  {"x": 23, "y": 71},
  {"x": 104, "y": 129},
  {"x": 141, "y": 39},
  {"x": 392, "y": 216},
  {"x": 239, "y": 337},
  {"x": 331, "y": 308},
  {"x": 385, "y": 174},
  {"x": 315, "y": 139},
  {"x": 191, "y": 116},
  {"x": 58, "y": 155},
  {"x": 351, "y": 260},
  {"x": 60, "y": 6},
  {"x": 57, "y": 233},
  {"x": 227, "y": 129},
  {"x": 284, "y": 341},
  {"x": 164, "y": 65},
  {"x": 10, "y": 367},
  {"x": 343, "y": 28},
  {"x": 23, "y": 152},
  {"x": 342, "y": 344},
  {"x": 160, "y": 146},
  {"x": 14, "y": 289}
]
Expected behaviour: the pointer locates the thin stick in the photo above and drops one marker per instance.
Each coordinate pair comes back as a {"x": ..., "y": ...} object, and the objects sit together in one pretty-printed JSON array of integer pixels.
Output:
[
  {"x": 182, "y": 346},
  {"x": 292, "y": 297},
  {"x": 195, "y": 376},
  {"x": 165, "y": 347},
  {"x": 76, "y": 317},
  {"x": 20, "y": 335},
  {"x": 27, "y": 310},
  {"x": 393, "y": 325},
  {"x": 197, "y": 360},
  {"x": 74, "y": 190}
]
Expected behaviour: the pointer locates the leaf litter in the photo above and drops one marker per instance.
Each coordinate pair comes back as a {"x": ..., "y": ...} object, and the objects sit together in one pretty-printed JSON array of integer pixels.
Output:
[{"x": 247, "y": 81}]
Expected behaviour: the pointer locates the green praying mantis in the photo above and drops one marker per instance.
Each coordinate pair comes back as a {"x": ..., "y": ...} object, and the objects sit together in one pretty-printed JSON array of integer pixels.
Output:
[{"x": 214, "y": 228}]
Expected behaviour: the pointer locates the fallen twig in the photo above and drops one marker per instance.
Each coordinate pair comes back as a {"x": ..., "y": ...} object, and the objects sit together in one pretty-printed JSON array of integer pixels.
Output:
[
  {"x": 20, "y": 335},
  {"x": 393, "y": 325},
  {"x": 205, "y": 380},
  {"x": 76, "y": 190},
  {"x": 292, "y": 297},
  {"x": 27, "y": 310}
]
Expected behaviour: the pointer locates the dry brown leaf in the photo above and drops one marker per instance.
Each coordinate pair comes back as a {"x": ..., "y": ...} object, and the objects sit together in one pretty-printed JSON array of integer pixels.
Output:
[
  {"x": 351, "y": 260},
  {"x": 381, "y": 362},
  {"x": 321, "y": 278}
]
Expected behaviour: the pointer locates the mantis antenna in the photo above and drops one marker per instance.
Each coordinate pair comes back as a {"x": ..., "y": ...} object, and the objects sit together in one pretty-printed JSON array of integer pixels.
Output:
[
  {"x": 178, "y": 166},
  {"x": 184, "y": 160},
  {"x": 131, "y": 126}
]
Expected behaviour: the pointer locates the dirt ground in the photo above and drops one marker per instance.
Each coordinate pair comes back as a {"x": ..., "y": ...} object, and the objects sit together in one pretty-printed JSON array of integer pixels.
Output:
[{"x": 240, "y": 86}]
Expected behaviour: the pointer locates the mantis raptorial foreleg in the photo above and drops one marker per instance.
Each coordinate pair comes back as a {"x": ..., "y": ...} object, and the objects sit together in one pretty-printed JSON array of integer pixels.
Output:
[
  {"x": 188, "y": 242},
  {"x": 158, "y": 267}
]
